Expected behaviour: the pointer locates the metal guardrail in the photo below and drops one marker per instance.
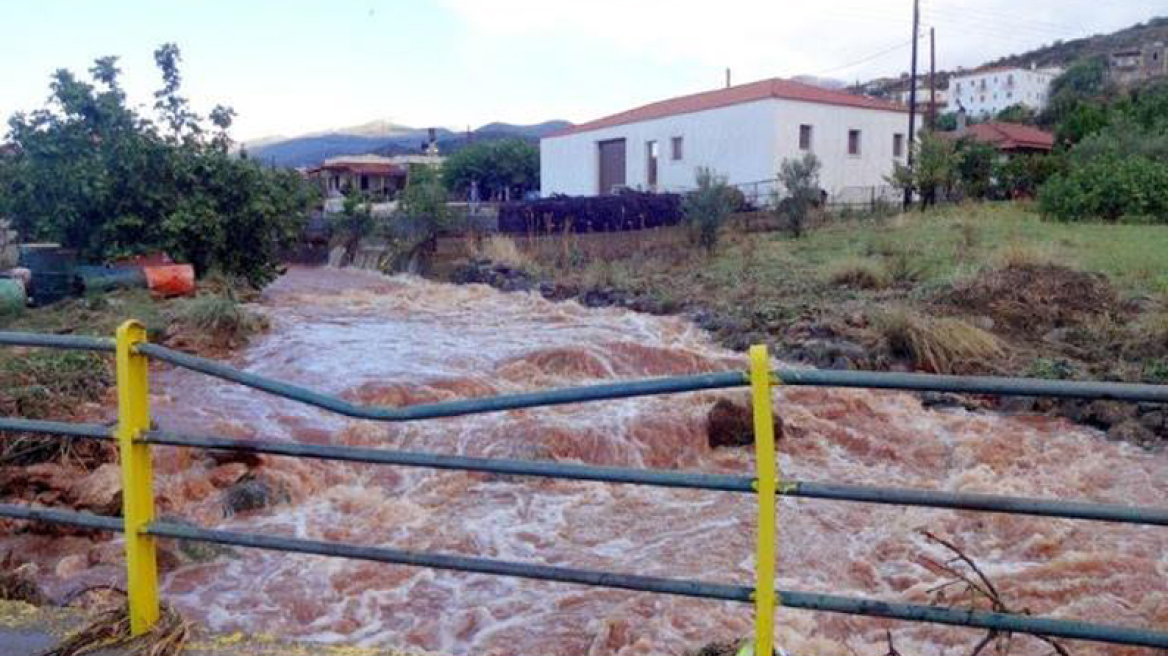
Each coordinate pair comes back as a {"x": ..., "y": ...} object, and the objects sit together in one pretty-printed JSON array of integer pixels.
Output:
[{"x": 135, "y": 437}]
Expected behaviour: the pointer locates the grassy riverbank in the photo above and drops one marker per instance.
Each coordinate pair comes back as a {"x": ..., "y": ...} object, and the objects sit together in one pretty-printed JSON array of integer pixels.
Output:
[{"x": 985, "y": 288}]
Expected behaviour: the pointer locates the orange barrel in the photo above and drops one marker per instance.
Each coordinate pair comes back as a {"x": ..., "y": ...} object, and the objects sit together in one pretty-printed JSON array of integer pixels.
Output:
[{"x": 170, "y": 279}]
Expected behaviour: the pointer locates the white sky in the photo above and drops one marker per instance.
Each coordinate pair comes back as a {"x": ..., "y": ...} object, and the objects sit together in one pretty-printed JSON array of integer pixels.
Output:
[{"x": 292, "y": 66}]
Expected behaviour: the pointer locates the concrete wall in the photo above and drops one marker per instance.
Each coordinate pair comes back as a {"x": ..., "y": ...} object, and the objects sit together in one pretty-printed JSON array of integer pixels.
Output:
[{"x": 743, "y": 142}]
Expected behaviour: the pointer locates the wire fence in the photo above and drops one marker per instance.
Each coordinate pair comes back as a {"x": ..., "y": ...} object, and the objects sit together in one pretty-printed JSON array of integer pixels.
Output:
[{"x": 135, "y": 437}]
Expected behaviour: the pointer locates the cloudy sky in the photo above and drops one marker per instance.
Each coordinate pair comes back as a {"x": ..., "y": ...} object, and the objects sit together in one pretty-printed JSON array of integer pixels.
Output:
[{"x": 292, "y": 66}]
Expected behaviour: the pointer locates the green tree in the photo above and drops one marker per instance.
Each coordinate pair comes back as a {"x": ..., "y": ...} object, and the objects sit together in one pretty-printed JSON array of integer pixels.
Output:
[
  {"x": 934, "y": 169},
  {"x": 1018, "y": 113},
  {"x": 507, "y": 168},
  {"x": 800, "y": 180},
  {"x": 423, "y": 203},
  {"x": 706, "y": 208},
  {"x": 90, "y": 172},
  {"x": 976, "y": 164},
  {"x": 1082, "y": 81}
]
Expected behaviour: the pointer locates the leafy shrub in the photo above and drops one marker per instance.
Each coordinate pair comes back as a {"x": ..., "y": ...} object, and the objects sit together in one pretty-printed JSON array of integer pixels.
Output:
[
  {"x": 1021, "y": 175},
  {"x": 628, "y": 210},
  {"x": 1155, "y": 372},
  {"x": 934, "y": 171},
  {"x": 1051, "y": 369},
  {"x": 93, "y": 173},
  {"x": 707, "y": 207},
  {"x": 219, "y": 321},
  {"x": 800, "y": 179},
  {"x": 1108, "y": 188}
]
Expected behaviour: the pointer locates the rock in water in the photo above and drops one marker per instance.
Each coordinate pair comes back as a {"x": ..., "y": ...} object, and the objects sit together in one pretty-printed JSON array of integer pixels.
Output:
[
  {"x": 731, "y": 424},
  {"x": 253, "y": 493}
]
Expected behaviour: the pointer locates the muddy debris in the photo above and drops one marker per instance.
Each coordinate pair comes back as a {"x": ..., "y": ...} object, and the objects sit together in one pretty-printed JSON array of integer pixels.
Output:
[{"x": 1032, "y": 300}]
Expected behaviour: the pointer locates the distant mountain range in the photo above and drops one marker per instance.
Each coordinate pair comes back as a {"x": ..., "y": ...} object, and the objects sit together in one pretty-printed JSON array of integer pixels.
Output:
[{"x": 383, "y": 138}]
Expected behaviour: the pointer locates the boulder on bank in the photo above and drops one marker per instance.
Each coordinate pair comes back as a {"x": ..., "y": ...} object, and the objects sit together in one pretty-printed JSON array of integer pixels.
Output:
[{"x": 731, "y": 424}]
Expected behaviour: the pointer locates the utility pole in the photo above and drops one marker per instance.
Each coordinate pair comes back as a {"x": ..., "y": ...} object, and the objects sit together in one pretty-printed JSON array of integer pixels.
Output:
[
  {"x": 912, "y": 97},
  {"x": 932, "y": 79},
  {"x": 727, "y": 77}
]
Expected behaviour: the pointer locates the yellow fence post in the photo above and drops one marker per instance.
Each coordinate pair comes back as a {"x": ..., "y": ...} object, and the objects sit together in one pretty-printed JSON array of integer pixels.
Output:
[
  {"x": 137, "y": 477},
  {"x": 766, "y": 485}
]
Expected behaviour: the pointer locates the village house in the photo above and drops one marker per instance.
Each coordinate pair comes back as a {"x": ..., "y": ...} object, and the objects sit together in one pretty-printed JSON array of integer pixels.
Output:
[
  {"x": 378, "y": 178},
  {"x": 1138, "y": 65},
  {"x": 924, "y": 97},
  {"x": 741, "y": 132},
  {"x": 987, "y": 91},
  {"x": 1007, "y": 138}
]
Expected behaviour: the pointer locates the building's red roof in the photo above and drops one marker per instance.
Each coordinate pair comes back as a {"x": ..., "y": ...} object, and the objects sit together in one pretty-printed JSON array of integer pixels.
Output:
[
  {"x": 361, "y": 168},
  {"x": 743, "y": 93},
  {"x": 1009, "y": 136}
]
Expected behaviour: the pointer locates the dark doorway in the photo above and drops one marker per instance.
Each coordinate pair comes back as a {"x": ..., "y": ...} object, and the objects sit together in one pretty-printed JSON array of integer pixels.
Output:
[{"x": 612, "y": 165}]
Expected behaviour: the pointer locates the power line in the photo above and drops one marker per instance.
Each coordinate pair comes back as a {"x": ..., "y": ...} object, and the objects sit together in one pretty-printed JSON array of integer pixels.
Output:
[{"x": 876, "y": 55}]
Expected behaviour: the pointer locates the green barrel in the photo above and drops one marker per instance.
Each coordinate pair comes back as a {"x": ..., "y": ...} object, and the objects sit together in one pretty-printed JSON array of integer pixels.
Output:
[{"x": 12, "y": 298}]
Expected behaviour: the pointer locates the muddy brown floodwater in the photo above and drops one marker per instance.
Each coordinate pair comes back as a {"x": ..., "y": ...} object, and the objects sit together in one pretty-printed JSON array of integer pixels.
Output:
[{"x": 404, "y": 340}]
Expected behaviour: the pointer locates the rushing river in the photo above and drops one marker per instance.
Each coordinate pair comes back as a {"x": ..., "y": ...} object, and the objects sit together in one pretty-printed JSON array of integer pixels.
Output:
[{"x": 394, "y": 341}]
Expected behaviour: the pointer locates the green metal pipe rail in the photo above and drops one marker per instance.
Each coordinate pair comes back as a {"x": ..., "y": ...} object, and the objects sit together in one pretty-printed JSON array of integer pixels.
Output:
[
  {"x": 659, "y": 478},
  {"x": 714, "y": 482}
]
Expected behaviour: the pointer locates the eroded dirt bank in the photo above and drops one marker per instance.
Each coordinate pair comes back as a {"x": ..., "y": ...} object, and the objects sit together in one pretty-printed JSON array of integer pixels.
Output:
[{"x": 405, "y": 340}]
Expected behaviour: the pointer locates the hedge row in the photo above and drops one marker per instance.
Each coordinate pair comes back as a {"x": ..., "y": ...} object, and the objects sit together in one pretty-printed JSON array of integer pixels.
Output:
[{"x": 629, "y": 210}]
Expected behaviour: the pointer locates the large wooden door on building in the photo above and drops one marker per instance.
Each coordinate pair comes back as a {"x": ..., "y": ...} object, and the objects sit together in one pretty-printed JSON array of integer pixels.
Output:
[{"x": 612, "y": 165}]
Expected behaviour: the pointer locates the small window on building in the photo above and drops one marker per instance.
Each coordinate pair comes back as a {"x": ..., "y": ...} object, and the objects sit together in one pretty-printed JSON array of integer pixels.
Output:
[
  {"x": 651, "y": 163},
  {"x": 853, "y": 142},
  {"x": 804, "y": 137},
  {"x": 898, "y": 145},
  {"x": 678, "y": 149}
]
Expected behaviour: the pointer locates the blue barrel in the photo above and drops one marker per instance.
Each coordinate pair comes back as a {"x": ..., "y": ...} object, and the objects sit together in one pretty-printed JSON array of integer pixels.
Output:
[{"x": 100, "y": 279}]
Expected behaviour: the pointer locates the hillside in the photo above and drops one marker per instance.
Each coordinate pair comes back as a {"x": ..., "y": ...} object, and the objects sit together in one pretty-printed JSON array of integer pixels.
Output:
[
  {"x": 1060, "y": 54},
  {"x": 384, "y": 139}
]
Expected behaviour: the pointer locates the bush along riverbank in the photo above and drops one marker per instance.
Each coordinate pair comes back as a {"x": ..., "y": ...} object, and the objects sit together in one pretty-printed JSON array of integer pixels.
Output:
[{"x": 985, "y": 289}]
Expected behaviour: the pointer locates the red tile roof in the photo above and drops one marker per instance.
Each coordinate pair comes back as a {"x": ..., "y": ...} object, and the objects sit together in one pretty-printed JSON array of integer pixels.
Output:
[
  {"x": 1008, "y": 136},
  {"x": 743, "y": 93},
  {"x": 361, "y": 168}
]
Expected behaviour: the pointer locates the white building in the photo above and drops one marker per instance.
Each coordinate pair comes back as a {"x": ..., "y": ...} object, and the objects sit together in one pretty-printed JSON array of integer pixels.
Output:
[
  {"x": 924, "y": 96},
  {"x": 988, "y": 91},
  {"x": 742, "y": 132}
]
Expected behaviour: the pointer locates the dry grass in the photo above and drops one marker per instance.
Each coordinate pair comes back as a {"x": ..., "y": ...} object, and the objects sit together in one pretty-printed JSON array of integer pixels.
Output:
[
  {"x": 501, "y": 249},
  {"x": 940, "y": 345},
  {"x": 111, "y": 628},
  {"x": 1024, "y": 255},
  {"x": 858, "y": 273}
]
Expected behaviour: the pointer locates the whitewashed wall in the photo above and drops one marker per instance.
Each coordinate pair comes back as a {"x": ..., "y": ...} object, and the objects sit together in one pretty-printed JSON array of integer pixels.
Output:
[
  {"x": 744, "y": 142},
  {"x": 841, "y": 172},
  {"x": 737, "y": 141},
  {"x": 990, "y": 92}
]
